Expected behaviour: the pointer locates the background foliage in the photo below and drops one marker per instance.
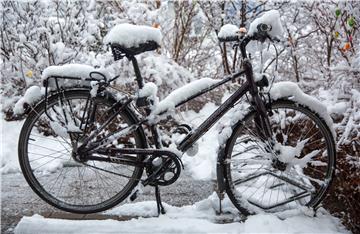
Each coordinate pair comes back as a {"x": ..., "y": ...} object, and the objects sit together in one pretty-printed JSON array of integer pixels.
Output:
[{"x": 320, "y": 51}]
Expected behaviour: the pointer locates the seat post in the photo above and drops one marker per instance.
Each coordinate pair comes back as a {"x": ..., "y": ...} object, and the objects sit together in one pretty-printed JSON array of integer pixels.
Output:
[{"x": 139, "y": 78}]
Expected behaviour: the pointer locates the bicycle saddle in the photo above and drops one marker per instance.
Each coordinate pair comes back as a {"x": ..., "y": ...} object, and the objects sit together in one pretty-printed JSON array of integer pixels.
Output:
[{"x": 129, "y": 40}]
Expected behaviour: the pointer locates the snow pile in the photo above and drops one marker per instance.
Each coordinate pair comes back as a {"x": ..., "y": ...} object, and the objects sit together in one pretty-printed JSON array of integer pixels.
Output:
[
  {"x": 31, "y": 96},
  {"x": 72, "y": 70},
  {"x": 270, "y": 18},
  {"x": 228, "y": 30},
  {"x": 290, "y": 89},
  {"x": 203, "y": 165},
  {"x": 198, "y": 218},
  {"x": 129, "y": 35},
  {"x": 182, "y": 94},
  {"x": 10, "y": 132},
  {"x": 205, "y": 209}
]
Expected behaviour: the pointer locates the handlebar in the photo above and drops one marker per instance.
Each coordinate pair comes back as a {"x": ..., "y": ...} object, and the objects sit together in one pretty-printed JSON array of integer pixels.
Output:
[{"x": 261, "y": 35}]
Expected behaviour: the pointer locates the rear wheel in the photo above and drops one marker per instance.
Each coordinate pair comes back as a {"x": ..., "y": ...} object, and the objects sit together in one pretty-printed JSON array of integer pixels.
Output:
[
  {"x": 294, "y": 169},
  {"x": 46, "y": 160}
]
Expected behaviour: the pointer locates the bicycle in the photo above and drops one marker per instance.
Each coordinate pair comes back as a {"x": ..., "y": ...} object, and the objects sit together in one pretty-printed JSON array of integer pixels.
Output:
[{"x": 95, "y": 146}]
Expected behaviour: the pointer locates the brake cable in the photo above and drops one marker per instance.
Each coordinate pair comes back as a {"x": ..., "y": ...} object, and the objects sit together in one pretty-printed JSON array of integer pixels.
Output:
[{"x": 276, "y": 66}]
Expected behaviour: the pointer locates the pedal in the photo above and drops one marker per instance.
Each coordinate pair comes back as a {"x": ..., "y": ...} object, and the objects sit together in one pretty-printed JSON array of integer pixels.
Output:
[
  {"x": 136, "y": 192},
  {"x": 134, "y": 195}
]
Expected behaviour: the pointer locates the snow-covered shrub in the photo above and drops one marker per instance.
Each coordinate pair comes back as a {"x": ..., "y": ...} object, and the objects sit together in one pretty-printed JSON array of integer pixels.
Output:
[{"x": 319, "y": 51}]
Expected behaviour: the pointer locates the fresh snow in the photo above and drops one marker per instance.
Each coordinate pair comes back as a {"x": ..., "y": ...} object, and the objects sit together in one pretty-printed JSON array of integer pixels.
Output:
[
  {"x": 10, "y": 132},
  {"x": 129, "y": 35},
  {"x": 272, "y": 18},
  {"x": 182, "y": 93},
  {"x": 203, "y": 165},
  {"x": 149, "y": 90},
  {"x": 289, "y": 89},
  {"x": 198, "y": 218},
  {"x": 228, "y": 30},
  {"x": 72, "y": 70},
  {"x": 32, "y": 95}
]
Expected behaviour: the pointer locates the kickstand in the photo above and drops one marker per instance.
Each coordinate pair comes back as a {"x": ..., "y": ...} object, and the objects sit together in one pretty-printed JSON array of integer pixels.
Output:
[{"x": 160, "y": 207}]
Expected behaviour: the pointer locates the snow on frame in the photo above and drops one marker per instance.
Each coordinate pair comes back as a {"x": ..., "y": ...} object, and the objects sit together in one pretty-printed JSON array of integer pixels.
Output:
[
  {"x": 129, "y": 35},
  {"x": 198, "y": 218},
  {"x": 149, "y": 90},
  {"x": 182, "y": 93},
  {"x": 272, "y": 18}
]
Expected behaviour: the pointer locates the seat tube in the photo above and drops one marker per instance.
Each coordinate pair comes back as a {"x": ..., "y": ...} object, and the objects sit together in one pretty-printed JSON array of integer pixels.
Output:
[{"x": 139, "y": 78}]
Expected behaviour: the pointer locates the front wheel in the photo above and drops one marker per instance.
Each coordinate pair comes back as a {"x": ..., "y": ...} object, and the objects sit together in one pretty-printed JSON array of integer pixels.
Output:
[
  {"x": 292, "y": 169},
  {"x": 46, "y": 153}
]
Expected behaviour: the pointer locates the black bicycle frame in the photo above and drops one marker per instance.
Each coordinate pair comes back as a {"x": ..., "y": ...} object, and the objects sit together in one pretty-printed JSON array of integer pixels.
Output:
[{"x": 249, "y": 85}]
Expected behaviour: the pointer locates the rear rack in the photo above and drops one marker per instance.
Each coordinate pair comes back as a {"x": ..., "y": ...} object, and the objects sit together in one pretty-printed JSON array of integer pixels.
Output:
[{"x": 59, "y": 87}]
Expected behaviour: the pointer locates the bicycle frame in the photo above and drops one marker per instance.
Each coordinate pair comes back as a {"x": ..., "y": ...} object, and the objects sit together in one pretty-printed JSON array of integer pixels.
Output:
[
  {"x": 248, "y": 86},
  {"x": 191, "y": 138},
  {"x": 89, "y": 146}
]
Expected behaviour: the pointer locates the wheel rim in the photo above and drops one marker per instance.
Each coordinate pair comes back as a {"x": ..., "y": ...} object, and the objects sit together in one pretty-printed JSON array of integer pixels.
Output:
[
  {"x": 299, "y": 175},
  {"x": 62, "y": 181}
]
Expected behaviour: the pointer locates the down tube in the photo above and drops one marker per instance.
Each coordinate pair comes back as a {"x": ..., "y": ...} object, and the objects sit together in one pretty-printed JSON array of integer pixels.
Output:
[{"x": 213, "y": 118}]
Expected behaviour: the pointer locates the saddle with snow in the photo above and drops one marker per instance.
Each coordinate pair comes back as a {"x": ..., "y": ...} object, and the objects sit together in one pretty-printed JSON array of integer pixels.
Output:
[{"x": 129, "y": 40}]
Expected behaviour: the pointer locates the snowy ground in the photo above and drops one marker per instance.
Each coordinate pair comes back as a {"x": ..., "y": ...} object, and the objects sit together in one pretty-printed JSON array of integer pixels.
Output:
[
  {"x": 197, "y": 218},
  {"x": 19, "y": 203}
]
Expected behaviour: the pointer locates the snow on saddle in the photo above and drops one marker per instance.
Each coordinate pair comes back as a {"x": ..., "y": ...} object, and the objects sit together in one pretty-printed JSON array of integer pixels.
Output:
[{"x": 129, "y": 40}]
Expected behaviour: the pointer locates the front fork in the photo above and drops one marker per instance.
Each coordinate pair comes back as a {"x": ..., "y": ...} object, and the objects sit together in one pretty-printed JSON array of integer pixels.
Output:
[{"x": 261, "y": 119}]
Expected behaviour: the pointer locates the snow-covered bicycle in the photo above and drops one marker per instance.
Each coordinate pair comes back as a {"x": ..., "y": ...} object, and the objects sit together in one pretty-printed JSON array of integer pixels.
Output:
[{"x": 84, "y": 149}]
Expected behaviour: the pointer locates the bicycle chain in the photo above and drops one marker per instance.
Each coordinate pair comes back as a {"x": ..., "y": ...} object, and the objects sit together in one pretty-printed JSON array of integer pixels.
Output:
[{"x": 111, "y": 172}]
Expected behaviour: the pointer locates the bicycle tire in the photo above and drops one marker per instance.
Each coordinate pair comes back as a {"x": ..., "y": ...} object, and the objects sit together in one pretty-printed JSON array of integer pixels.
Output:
[
  {"x": 29, "y": 173},
  {"x": 241, "y": 197}
]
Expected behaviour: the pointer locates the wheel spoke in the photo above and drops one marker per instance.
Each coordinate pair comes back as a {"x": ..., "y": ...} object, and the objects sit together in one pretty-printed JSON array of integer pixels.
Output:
[
  {"x": 56, "y": 174},
  {"x": 256, "y": 172}
]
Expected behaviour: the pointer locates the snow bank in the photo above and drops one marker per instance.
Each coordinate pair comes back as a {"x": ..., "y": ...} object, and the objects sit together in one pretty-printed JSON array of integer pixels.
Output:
[
  {"x": 290, "y": 89},
  {"x": 32, "y": 95},
  {"x": 270, "y": 18},
  {"x": 203, "y": 165},
  {"x": 228, "y": 30},
  {"x": 129, "y": 35},
  {"x": 72, "y": 70},
  {"x": 198, "y": 218},
  {"x": 8, "y": 153},
  {"x": 182, "y": 93}
]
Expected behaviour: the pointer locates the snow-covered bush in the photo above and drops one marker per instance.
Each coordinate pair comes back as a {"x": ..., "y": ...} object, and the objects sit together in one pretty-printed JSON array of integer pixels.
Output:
[{"x": 319, "y": 50}]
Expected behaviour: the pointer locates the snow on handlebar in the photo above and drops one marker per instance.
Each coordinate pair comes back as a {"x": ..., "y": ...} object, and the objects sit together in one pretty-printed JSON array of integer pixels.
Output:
[{"x": 268, "y": 26}]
